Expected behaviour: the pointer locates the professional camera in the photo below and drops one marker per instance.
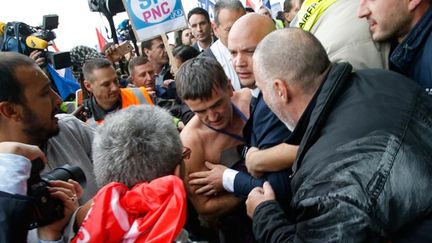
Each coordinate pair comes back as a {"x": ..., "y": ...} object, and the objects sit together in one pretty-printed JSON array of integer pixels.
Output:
[
  {"x": 22, "y": 38},
  {"x": 47, "y": 209},
  {"x": 45, "y": 33}
]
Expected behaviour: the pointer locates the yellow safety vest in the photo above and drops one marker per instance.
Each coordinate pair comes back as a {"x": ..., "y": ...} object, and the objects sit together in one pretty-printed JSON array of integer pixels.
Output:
[{"x": 310, "y": 12}]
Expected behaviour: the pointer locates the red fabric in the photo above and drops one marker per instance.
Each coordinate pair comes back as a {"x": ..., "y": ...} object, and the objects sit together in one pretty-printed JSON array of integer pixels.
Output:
[
  {"x": 101, "y": 40},
  {"x": 149, "y": 212},
  {"x": 256, "y": 4},
  {"x": 250, "y": 3}
]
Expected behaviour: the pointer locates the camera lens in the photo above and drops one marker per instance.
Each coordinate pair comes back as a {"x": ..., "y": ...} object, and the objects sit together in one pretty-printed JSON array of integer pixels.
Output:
[{"x": 65, "y": 173}]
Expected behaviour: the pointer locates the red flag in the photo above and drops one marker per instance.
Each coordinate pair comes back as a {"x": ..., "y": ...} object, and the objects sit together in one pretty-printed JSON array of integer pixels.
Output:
[
  {"x": 250, "y": 3},
  {"x": 53, "y": 45},
  {"x": 256, "y": 4},
  {"x": 101, "y": 40}
]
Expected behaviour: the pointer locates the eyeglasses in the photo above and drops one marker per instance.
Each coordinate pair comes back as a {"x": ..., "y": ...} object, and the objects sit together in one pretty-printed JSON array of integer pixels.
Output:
[{"x": 186, "y": 153}]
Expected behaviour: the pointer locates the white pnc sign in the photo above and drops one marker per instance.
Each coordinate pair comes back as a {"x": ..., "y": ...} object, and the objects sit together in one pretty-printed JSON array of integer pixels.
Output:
[{"x": 152, "y": 18}]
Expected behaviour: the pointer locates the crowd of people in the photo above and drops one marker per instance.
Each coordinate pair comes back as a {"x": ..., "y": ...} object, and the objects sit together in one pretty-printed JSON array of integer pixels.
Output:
[{"x": 312, "y": 127}]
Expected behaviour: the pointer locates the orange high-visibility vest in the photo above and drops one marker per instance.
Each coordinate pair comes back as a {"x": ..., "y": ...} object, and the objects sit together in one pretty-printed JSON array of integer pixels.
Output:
[
  {"x": 129, "y": 96},
  {"x": 134, "y": 96}
]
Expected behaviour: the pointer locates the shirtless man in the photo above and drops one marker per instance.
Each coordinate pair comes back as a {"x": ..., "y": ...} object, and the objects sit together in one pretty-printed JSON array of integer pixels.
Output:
[{"x": 220, "y": 115}]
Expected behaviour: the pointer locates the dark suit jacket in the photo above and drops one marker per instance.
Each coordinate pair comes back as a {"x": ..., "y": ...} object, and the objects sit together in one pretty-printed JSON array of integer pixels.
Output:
[
  {"x": 195, "y": 45},
  {"x": 207, "y": 53},
  {"x": 264, "y": 130}
]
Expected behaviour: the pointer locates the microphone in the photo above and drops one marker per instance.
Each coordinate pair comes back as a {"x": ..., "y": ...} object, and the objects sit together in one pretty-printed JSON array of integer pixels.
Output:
[{"x": 36, "y": 43}]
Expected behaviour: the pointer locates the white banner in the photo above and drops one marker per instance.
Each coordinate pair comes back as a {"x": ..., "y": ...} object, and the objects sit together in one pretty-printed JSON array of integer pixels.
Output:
[{"x": 151, "y": 18}]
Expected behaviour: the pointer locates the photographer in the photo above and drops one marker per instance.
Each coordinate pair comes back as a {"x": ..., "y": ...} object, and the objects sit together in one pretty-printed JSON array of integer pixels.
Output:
[
  {"x": 15, "y": 206},
  {"x": 28, "y": 114}
]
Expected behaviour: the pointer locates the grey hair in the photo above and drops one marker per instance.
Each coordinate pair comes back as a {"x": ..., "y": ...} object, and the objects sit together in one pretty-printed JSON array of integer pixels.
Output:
[
  {"x": 136, "y": 144},
  {"x": 233, "y": 5},
  {"x": 198, "y": 77},
  {"x": 292, "y": 55}
]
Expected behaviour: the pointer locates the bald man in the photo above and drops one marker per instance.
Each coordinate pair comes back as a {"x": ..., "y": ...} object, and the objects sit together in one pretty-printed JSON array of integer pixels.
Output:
[
  {"x": 262, "y": 130},
  {"x": 363, "y": 170}
]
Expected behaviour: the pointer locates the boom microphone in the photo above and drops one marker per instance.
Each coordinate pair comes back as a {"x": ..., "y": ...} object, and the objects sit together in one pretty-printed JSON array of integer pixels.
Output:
[{"x": 36, "y": 43}]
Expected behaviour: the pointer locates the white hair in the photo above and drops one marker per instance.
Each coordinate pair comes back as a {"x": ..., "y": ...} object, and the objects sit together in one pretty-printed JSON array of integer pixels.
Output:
[{"x": 137, "y": 144}]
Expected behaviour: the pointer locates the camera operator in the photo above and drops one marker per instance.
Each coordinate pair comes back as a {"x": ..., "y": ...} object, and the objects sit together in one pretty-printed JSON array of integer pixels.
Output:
[
  {"x": 28, "y": 114},
  {"x": 16, "y": 207},
  {"x": 28, "y": 108},
  {"x": 37, "y": 56}
]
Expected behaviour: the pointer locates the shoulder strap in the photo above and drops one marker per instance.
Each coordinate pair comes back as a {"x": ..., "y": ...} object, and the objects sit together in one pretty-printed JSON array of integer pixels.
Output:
[
  {"x": 223, "y": 131},
  {"x": 238, "y": 111}
]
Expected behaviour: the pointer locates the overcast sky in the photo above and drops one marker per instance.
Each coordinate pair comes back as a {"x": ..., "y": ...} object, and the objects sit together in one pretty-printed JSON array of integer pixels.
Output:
[{"x": 77, "y": 23}]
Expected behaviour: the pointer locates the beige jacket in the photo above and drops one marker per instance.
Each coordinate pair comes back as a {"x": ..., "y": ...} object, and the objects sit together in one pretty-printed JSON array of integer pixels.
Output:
[{"x": 346, "y": 37}]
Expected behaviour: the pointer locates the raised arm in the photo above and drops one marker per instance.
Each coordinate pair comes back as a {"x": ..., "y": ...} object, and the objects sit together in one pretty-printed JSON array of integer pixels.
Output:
[{"x": 276, "y": 158}]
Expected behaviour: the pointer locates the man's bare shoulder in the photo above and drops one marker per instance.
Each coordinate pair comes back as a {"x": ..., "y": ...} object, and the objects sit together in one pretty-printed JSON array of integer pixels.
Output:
[{"x": 192, "y": 132}]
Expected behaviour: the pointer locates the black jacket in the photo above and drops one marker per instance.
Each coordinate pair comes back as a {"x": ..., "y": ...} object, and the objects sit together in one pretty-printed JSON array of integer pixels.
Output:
[
  {"x": 364, "y": 166},
  {"x": 15, "y": 217}
]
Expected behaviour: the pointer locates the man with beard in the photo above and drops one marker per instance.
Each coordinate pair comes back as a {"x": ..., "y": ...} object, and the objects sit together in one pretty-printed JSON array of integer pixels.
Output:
[
  {"x": 28, "y": 108},
  {"x": 101, "y": 81},
  {"x": 28, "y": 114},
  {"x": 408, "y": 24}
]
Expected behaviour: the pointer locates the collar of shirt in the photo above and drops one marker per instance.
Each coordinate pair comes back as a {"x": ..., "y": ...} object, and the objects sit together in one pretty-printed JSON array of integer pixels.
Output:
[{"x": 160, "y": 76}]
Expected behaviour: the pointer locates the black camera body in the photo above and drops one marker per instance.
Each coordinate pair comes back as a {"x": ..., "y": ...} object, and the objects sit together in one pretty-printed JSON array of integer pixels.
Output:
[
  {"x": 47, "y": 209},
  {"x": 59, "y": 60},
  {"x": 49, "y": 23}
]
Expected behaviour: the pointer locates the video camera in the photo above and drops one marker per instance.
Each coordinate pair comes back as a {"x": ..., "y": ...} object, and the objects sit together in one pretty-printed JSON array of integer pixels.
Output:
[
  {"x": 22, "y": 38},
  {"x": 47, "y": 209}
]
